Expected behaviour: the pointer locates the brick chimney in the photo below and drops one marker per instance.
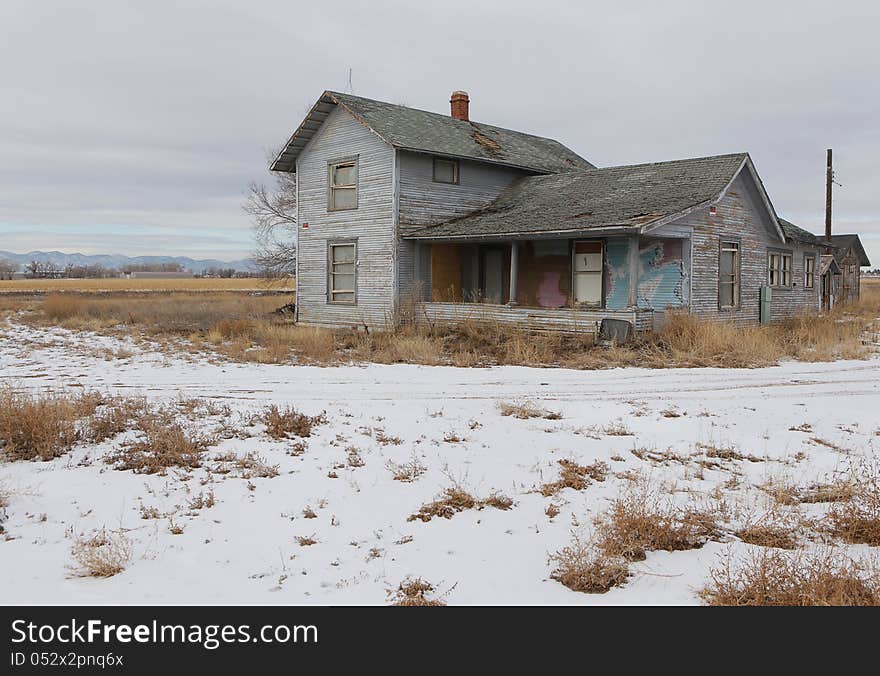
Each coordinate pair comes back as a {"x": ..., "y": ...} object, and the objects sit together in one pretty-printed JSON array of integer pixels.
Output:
[{"x": 458, "y": 104}]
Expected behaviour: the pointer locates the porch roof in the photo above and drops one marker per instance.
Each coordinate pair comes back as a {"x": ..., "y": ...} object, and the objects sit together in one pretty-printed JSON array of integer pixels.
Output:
[{"x": 627, "y": 198}]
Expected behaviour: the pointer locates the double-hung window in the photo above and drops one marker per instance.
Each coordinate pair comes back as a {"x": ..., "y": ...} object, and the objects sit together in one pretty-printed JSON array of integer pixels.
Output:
[
  {"x": 779, "y": 269},
  {"x": 809, "y": 272},
  {"x": 342, "y": 185},
  {"x": 728, "y": 275},
  {"x": 342, "y": 272}
]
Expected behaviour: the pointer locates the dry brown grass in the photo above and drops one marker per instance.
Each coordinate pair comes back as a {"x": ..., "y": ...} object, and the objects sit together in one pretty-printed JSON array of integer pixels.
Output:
[
  {"x": 525, "y": 410},
  {"x": 287, "y": 422},
  {"x": 104, "y": 554},
  {"x": 116, "y": 416},
  {"x": 116, "y": 285},
  {"x": 455, "y": 499},
  {"x": 241, "y": 326},
  {"x": 857, "y": 520},
  {"x": 406, "y": 472},
  {"x": 640, "y": 521},
  {"x": 575, "y": 476},
  {"x": 771, "y": 577},
  {"x": 582, "y": 568},
  {"x": 773, "y": 528},
  {"x": 414, "y": 592},
  {"x": 163, "y": 444},
  {"x": 43, "y": 426}
]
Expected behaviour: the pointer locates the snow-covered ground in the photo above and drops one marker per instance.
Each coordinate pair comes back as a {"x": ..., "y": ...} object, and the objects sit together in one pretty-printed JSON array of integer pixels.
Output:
[{"x": 244, "y": 549}]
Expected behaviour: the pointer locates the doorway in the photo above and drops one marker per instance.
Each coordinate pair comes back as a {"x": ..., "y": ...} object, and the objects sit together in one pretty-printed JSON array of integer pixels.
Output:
[
  {"x": 588, "y": 270},
  {"x": 492, "y": 269}
]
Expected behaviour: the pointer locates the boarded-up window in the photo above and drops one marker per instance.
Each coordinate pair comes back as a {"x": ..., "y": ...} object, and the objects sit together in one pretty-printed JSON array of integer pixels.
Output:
[
  {"x": 728, "y": 274},
  {"x": 342, "y": 272},
  {"x": 809, "y": 272},
  {"x": 588, "y": 269},
  {"x": 779, "y": 269},
  {"x": 342, "y": 193},
  {"x": 445, "y": 171}
]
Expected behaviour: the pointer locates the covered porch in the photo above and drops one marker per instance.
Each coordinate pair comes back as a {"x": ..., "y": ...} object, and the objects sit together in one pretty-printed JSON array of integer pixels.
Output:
[{"x": 552, "y": 283}]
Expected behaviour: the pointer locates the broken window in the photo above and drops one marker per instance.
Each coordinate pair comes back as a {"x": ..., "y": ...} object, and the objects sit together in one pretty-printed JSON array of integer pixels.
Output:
[
  {"x": 342, "y": 193},
  {"x": 809, "y": 272},
  {"x": 445, "y": 171},
  {"x": 342, "y": 272},
  {"x": 779, "y": 269},
  {"x": 728, "y": 275}
]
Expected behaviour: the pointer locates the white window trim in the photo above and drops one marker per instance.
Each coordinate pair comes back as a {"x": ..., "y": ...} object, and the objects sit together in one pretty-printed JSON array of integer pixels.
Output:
[
  {"x": 810, "y": 277},
  {"x": 331, "y": 291},
  {"x": 781, "y": 272},
  {"x": 331, "y": 186},
  {"x": 735, "y": 246}
]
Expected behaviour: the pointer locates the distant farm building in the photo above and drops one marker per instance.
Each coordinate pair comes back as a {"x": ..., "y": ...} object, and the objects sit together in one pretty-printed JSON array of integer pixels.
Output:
[{"x": 159, "y": 275}]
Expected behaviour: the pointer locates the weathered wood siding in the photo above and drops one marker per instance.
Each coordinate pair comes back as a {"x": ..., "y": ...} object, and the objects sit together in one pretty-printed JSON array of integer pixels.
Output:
[
  {"x": 371, "y": 224},
  {"x": 422, "y": 201},
  {"x": 740, "y": 217},
  {"x": 425, "y": 202},
  {"x": 533, "y": 319}
]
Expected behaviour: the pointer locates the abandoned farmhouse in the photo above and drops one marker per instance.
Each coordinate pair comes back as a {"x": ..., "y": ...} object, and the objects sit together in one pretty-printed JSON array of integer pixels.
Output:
[{"x": 407, "y": 214}]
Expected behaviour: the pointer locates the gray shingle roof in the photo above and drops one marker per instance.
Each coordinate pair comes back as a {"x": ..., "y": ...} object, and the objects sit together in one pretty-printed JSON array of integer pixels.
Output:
[
  {"x": 794, "y": 233},
  {"x": 631, "y": 196},
  {"x": 843, "y": 243},
  {"x": 423, "y": 131}
]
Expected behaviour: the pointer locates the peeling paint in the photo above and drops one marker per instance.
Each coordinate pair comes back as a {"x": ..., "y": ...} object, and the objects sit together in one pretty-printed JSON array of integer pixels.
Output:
[
  {"x": 617, "y": 274},
  {"x": 661, "y": 273}
]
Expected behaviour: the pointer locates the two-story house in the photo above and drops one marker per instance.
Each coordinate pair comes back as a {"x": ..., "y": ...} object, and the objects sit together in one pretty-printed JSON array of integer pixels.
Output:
[{"x": 405, "y": 214}]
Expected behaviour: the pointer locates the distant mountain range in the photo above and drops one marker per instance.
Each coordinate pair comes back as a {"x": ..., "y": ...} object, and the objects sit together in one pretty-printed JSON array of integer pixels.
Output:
[{"x": 61, "y": 260}]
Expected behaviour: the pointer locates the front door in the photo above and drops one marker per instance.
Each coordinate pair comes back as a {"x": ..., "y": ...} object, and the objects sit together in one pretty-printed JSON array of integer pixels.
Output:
[
  {"x": 493, "y": 275},
  {"x": 588, "y": 268}
]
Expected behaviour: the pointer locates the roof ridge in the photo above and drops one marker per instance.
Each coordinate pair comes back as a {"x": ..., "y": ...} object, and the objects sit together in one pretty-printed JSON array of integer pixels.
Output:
[{"x": 446, "y": 117}]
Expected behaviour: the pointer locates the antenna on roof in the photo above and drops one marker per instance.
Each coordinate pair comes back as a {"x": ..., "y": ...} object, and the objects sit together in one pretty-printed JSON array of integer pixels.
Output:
[{"x": 350, "y": 89}]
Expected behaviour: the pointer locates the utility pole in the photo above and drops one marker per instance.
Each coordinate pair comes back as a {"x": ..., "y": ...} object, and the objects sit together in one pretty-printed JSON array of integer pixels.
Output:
[{"x": 829, "y": 179}]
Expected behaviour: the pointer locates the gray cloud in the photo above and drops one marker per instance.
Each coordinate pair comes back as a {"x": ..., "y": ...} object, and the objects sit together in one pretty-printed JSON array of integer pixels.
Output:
[{"x": 143, "y": 124}]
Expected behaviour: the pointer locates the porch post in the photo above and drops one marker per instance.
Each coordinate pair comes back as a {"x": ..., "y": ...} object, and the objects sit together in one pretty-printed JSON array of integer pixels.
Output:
[
  {"x": 514, "y": 271},
  {"x": 633, "y": 270}
]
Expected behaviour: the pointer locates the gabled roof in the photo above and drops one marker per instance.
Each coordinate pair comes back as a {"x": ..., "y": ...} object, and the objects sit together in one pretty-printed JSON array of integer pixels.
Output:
[
  {"x": 794, "y": 233},
  {"x": 633, "y": 198},
  {"x": 826, "y": 263},
  {"x": 423, "y": 131},
  {"x": 843, "y": 243}
]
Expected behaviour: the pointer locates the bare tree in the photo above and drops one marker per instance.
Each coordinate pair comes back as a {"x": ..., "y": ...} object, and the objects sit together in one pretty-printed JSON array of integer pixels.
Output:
[
  {"x": 7, "y": 268},
  {"x": 273, "y": 213}
]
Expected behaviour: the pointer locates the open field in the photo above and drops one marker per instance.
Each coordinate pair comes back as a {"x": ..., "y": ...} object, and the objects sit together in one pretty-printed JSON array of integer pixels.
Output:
[
  {"x": 243, "y": 326},
  {"x": 140, "y": 285},
  {"x": 196, "y": 480}
]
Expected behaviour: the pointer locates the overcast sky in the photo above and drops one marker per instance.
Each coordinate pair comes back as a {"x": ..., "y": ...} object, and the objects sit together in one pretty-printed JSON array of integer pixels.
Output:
[{"x": 135, "y": 127}]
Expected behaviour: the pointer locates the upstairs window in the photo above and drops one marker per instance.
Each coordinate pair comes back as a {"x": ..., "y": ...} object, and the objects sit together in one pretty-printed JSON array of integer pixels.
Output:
[
  {"x": 445, "y": 171},
  {"x": 342, "y": 272},
  {"x": 728, "y": 275},
  {"x": 342, "y": 192},
  {"x": 779, "y": 269},
  {"x": 809, "y": 272}
]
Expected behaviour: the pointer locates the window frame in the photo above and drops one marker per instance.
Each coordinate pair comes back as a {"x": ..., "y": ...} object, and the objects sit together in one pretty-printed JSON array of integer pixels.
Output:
[
  {"x": 333, "y": 164},
  {"x": 781, "y": 271},
  {"x": 332, "y": 244},
  {"x": 455, "y": 170},
  {"x": 810, "y": 277},
  {"x": 737, "y": 283}
]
